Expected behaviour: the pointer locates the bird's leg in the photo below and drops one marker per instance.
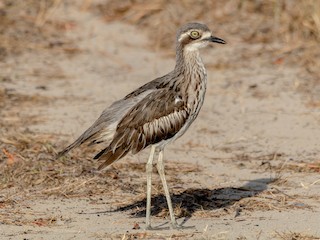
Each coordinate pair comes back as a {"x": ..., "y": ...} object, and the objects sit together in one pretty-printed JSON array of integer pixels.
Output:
[
  {"x": 149, "y": 175},
  {"x": 160, "y": 168}
]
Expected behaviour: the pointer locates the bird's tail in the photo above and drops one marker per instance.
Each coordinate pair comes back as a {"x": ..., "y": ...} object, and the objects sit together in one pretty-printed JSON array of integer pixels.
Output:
[
  {"x": 89, "y": 134},
  {"x": 109, "y": 156},
  {"x": 68, "y": 149}
]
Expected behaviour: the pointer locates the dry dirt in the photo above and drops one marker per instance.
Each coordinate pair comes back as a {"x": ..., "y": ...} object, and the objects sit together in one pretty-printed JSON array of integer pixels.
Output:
[{"x": 248, "y": 168}]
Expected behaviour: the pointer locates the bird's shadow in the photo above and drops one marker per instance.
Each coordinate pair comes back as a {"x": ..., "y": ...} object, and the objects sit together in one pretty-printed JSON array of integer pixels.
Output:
[{"x": 194, "y": 199}]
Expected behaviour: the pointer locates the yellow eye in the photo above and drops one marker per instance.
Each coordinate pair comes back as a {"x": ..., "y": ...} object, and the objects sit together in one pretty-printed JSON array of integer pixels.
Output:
[{"x": 194, "y": 34}]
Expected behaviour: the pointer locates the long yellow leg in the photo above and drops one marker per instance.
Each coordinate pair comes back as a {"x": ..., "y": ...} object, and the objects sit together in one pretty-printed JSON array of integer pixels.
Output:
[
  {"x": 149, "y": 175},
  {"x": 160, "y": 168}
]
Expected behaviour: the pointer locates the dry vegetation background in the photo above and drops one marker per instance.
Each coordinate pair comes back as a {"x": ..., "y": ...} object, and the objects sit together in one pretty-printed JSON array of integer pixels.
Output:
[{"x": 288, "y": 30}]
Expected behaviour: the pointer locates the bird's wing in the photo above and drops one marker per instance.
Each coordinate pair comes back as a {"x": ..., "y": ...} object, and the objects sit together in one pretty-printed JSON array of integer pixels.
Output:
[
  {"x": 158, "y": 116},
  {"x": 103, "y": 128}
]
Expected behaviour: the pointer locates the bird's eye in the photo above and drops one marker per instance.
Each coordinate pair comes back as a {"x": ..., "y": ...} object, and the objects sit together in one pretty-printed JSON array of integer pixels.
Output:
[{"x": 194, "y": 34}]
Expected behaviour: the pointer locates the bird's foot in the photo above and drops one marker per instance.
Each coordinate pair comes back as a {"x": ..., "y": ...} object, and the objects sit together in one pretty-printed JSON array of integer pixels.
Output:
[
  {"x": 175, "y": 225},
  {"x": 148, "y": 227}
]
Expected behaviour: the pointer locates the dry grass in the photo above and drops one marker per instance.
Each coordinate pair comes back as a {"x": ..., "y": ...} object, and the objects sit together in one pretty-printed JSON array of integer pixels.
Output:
[
  {"x": 276, "y": 163},
  {"x": 299, "y": 167},
  {"x": 28, "y": 166},
  {"x": 295, "y": 236},
  {"x": 27, "y": 26},
  {"x": 147, "y": 235}
]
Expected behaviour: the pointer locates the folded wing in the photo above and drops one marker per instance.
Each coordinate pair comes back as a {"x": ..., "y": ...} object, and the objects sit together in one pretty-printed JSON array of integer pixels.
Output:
[{"x": 157, "y": 117}]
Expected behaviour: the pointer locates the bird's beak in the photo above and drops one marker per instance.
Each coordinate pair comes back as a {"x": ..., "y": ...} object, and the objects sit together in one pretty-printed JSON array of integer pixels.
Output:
[{"x": 217, "y": 40}]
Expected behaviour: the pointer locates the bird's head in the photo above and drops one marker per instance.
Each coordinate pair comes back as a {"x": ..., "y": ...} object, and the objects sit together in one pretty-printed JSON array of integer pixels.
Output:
[{"x": 194, "y": 36}]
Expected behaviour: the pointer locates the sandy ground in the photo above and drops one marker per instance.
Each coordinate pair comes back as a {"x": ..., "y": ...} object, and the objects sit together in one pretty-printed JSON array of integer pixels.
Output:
[{"x": 253, "y": 133}]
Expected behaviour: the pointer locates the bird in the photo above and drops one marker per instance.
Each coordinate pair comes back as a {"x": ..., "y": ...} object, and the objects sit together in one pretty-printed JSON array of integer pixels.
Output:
[{"x": 155, "y": 114}]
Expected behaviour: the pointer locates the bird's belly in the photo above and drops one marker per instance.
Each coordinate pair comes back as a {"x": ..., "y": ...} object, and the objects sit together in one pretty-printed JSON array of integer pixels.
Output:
[
  {"x": 185, "y": 127},
  {"x": 195, "y": 107}
]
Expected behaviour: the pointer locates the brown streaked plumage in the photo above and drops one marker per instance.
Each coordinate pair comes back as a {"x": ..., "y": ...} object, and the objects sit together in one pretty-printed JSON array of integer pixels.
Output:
[{"x": 156, "y": 113}]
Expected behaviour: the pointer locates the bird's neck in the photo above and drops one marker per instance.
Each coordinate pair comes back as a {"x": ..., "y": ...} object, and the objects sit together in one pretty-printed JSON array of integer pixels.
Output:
[
  {"x": 193, "y": 78},
  {"x": 190, "y": 66},
  {"x": 187, "y": 60}
]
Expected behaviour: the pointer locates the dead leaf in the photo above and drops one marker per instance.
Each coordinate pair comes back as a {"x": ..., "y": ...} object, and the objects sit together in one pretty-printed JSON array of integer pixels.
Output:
[{"x": 10, "y": 157}]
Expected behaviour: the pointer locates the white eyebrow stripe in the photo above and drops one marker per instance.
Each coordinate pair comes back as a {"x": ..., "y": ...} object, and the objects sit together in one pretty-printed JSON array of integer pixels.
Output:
[
  {"x": 206, "y": 35},
  {"x": 183, "y": 35}
]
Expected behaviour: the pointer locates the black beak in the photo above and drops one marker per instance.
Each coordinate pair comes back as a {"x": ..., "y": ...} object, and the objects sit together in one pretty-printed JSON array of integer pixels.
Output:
[{"x": 217, "y": 40}]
